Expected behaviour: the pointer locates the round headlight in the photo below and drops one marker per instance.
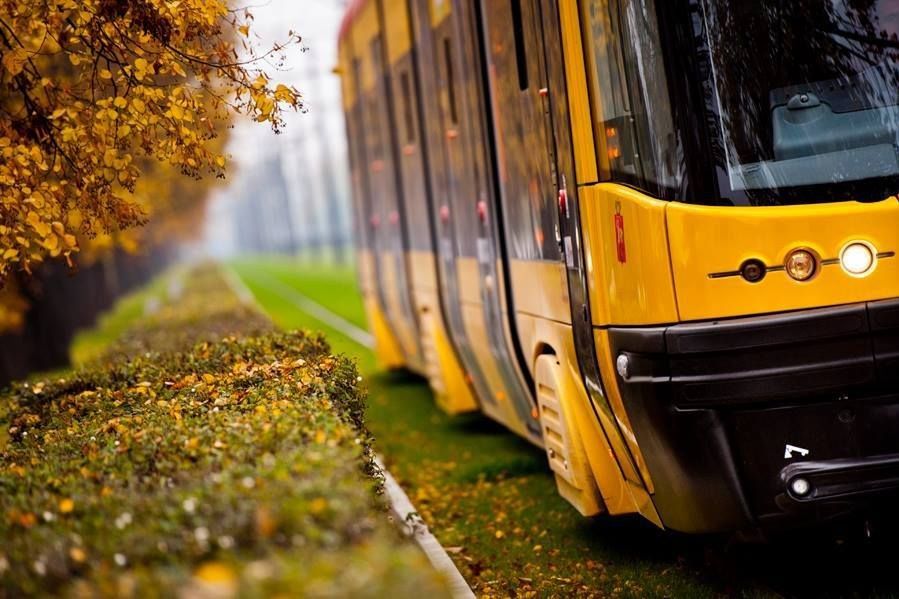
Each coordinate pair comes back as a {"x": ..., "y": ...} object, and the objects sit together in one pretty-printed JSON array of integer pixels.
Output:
[
  {"x": 858, "y": 259},
  {"x": 801, "y": 265},
  {"x": 800, "y": 487}
]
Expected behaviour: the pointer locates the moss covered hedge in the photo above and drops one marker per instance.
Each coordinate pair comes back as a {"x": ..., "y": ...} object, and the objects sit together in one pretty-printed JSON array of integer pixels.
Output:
[{"x": 239, "y": 465}]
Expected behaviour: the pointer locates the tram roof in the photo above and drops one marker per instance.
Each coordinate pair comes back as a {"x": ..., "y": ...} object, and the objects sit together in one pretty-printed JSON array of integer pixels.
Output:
[{"x": 353, "y": 10}]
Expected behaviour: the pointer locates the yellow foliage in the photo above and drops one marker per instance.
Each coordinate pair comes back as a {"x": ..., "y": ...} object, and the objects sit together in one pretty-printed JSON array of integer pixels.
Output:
[{"x": 104, "y": 104}]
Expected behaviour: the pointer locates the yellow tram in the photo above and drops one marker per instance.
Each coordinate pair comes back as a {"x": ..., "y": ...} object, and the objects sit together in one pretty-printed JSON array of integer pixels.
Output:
[{"x": 656, "y": 238}]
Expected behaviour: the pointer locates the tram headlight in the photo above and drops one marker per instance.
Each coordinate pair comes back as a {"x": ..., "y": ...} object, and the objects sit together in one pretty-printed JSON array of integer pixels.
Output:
[
  {"x": 801, "y": 265},
  {"x": 858, "y": 259},
  {"x": 800, "y": 487}
]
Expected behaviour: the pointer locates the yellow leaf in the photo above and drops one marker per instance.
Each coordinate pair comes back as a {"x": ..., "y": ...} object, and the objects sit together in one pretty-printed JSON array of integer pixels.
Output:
[
  {"x": 14, "y": 61},
  {"x": 285, "y": 94},
  {"x": 120, "y": 102},
  {"x": 318, "y": 505},
  {"x": 66, "y": 506},
  {"x": 260, "y": 82},
  {"x": 77, "y": 554},
  {"x": 216, "y": 573},
  {"x": 75, "y": 219},
  {"x": 245, "y": 30}
]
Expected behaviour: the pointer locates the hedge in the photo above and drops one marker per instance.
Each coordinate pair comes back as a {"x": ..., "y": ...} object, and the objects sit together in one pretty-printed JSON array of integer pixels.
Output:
[{"x": 240, "y": 465}]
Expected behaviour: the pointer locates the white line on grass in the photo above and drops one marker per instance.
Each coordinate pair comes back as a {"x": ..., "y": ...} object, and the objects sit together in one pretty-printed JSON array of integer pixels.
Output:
[
  {"x": 404, "y": 512},
  {"x": 317, "y": 311}
]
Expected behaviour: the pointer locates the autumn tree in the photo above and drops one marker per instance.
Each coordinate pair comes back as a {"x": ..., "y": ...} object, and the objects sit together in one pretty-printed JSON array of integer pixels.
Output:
[{"x": 94, "y": 93}]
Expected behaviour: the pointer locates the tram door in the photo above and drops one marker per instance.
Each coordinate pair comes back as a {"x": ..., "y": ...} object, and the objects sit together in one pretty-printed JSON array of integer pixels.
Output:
[
  {"x": 369, "y": 265},
  {"x": 539, "y": 186},
  {"x": 387, "y": 222},
  {"x": 470, "y": 222},
  {"x": 525, "y": 160}
]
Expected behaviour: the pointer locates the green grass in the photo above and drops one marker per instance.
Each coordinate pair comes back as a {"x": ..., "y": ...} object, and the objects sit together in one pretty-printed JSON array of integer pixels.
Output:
[{"x": 490, "y": 498}]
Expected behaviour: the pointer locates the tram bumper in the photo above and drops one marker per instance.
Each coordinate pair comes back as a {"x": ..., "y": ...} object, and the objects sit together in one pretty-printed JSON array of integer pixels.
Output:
[{"x": 730, "y": 414}]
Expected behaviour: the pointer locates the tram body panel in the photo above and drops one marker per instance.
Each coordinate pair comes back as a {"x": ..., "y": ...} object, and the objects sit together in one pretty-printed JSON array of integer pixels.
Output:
[
  {"x": 387, "y": 349},
  {"x": 536, "y": 167},
  {"x": 446, "y": 341},
  {"x": 480, "y": 289},
  {"x": 497, "y": 406},
  {"x": 619, "y": 495},
  {"x": 420, "y": 263},
  {"x": 543, "y": 292},
  {"x": 709, "y": 245},
  {"x": 387, "y": 220},
  {"x": 583, "y": 143},
  {"x": 629, "y": 270}
]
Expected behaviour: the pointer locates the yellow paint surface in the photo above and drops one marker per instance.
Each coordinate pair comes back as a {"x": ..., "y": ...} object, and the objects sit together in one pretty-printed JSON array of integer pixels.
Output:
[
  {"x": 640, "y": 290},
  {"x": 707, "y": 240}
]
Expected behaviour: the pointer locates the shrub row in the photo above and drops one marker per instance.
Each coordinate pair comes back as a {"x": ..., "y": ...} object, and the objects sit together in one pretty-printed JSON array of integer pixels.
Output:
[{"x": 240, "y": 465}]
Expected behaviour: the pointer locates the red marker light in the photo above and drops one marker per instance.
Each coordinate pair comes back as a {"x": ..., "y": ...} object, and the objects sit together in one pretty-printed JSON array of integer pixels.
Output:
[
  {"x": 444, "y": 213},
  {"x": 394, "y": 217},
  {"x": 620, "y": 243},
  {"x": 482, "y": 211},
  {"x": 375, "y": 221},
  {"x": 563, "y": 202}
]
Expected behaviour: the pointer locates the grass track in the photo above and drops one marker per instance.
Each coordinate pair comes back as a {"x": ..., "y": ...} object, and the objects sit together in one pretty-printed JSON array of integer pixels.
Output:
[{"x": 489, "y": 497}]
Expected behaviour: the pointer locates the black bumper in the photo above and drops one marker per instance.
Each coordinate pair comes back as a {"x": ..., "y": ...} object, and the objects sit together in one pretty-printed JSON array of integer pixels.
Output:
[{"x": 714, "y": 406}]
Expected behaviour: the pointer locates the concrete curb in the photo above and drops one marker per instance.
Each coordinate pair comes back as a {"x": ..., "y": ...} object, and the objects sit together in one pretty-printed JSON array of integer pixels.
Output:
[{"x": 412, "y": 525}]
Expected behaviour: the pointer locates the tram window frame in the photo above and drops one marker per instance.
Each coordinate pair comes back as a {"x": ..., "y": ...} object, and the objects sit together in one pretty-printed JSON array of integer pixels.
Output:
[
  {"x": 521, "y": 56},
  {"x": 408, "y": 117},
  {"x": 630, "y": 101},
  {"x": 450, "y": 80}
]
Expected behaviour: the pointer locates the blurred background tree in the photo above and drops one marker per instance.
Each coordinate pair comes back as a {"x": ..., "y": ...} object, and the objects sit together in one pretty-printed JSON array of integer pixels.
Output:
[{"x": 113, "y": 114}]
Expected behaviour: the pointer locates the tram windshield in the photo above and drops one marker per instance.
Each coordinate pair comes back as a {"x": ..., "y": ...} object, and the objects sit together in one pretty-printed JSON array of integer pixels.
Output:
[
  {"x": 748, "y": 102},
  {"x": 807, "y": 93}
]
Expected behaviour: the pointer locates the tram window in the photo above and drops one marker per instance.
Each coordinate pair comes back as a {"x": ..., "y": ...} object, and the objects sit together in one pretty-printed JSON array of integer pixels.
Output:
[
  {"x": 520, "y": 47},
  {"x": 826, "y": 116},
  {"x": 631, "y": 99},
  {"x": 407, "y": 106},
  {"x": 450, "y": 80}
]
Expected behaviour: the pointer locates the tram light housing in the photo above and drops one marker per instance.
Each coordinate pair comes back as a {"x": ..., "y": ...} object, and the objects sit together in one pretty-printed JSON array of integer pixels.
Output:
[
  {"x": 800, "y": 487},
  {"x": 801, "y": 265},
  {"x": 858, "y": 259}
]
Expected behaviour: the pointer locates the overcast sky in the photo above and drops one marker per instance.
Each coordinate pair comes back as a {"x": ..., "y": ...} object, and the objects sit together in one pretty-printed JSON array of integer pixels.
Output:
[
  {"x": 318, "y": 21},
  {"x": 301, "y": 146}
]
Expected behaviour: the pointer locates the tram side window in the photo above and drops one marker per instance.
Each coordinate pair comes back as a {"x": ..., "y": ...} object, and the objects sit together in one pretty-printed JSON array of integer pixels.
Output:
[{"x": 632, "y": 108}]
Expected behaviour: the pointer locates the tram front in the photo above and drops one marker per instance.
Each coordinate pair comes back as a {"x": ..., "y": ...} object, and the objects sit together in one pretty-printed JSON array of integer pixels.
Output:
[{"x": 758, "y": 361}]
